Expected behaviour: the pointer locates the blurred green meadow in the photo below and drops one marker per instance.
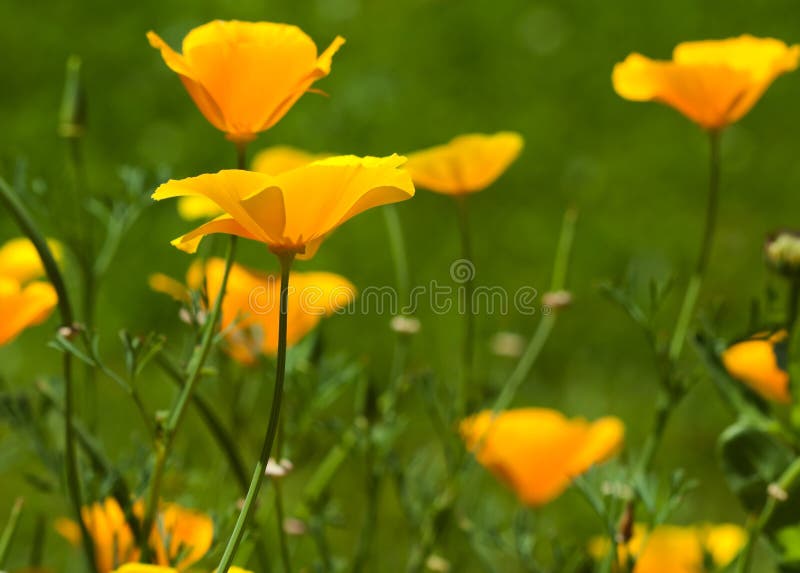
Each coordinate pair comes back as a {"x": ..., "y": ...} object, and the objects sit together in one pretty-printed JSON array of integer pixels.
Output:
[{"x": 414, "y": 74}]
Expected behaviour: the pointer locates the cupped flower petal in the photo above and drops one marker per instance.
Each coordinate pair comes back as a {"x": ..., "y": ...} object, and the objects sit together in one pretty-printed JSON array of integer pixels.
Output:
[
  {"x": 245, "y": 76},
  {"x": 758, "y": 362},
  {"x": 23, "y": 306},
  {"x": 294, "y": 210},
  {"x": 538, "y": 451},
  {"x": 713, "y": 82},
  {"x": 467, "y": 164},
  {"x": 272, "y": 161}
]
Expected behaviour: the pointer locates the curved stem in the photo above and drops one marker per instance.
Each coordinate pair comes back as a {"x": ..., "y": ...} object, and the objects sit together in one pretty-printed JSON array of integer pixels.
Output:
[
  {"x": 693, "y": 289},
  {"x": 26, "y": 224},
  {"x": 178, "y": 411},
  {"x": 272, "y": 427}
]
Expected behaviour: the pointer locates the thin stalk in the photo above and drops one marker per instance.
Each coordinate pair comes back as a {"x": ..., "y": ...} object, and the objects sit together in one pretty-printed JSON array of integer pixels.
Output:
[
  {"x": 286, "y": 557},
  {"x": 437, "y": 518},
  {"x": 223, "y": 438},
  {"x": 548, "y": 321},
  {"x": 672, "y": 395},
  {"x": 272, "y": 427},
  {"x": 11, "y": 528},
  {"x": 787, "y": 480},
  {"x": 397, "y": 246},
  {"x": 177, "y": 413},
  {"x": 696, "y": 281},
  {"x": 26, "y": 224},
  {"x": 468, "y": 349}
]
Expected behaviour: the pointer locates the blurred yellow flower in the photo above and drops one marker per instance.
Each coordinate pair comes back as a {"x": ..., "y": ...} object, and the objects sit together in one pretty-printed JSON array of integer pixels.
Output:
[
  {"x": 250, "y": 307},
  {"x": 19, "y": 259},
  {"x": 180, "y": 534},
  {"x": 272, "y": 161},
  {"x": 758, "y": 363},
  {"x": 676, "y": 549},
  {"x": 467, "y": 164},
  {"x": 23, "y": 303},
  {"x": 713, "y": 82},
  {"x": 144, "y": 568},
  {"x": 538, "y": 451},
  {"x": 295, "y": 210},
  {"x": 23, "y": 306},
  {"x": 245, "y": 76}
]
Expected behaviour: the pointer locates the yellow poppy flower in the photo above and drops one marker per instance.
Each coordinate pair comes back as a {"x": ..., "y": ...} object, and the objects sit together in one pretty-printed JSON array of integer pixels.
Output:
[
  {"x": 467, "y": 164},
  {"x": 713, "y": 82},
  {"x": 292, "y": 211},
  {"x": 756, "y": 363},
  {"x": 19, "y": 259},
  {"x": 145, "y": 568},
  {"x": 272, "y": 161},
  {"x": 180, "y": 534},
  {"x": 676, "y": 549},
  {"x": 538, "y": 451},
  {"x": 245, "y": 76},
  {"x": 250, "y": 307},
  {"x": 23, "y": 306}
]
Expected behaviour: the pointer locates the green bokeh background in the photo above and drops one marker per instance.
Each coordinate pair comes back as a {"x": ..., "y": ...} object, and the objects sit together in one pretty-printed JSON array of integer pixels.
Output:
[{"x": 414, "y": 74}]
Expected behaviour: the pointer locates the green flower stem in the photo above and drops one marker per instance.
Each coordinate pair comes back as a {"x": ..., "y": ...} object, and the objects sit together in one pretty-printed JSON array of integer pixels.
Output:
[
  {"x": 11, "y": 528},
  {"x": 286, "y": 557},
  {"x": 436, "y": 520},
  {"x": 397, "y": 246},
  {"x": 99, "y": 461},
  {"x": 223, "y": 438},
  {"x": 164, "y": 448},
  {"x": 26, "y": 224},
  {"x": 468, "y": 350},
  {"x": 785, "y": 483},
  {"x": 696, "y": 281},
  {"x": 249, "y": 505},
  {"x": 672, "y": 394},
  {"x": 548, "y": 321}
]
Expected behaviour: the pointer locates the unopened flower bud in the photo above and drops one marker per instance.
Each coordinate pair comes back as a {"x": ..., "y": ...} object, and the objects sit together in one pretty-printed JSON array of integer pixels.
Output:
[
  {"x": 782, "y": 251},
  {"x": 278, "y": 469}
]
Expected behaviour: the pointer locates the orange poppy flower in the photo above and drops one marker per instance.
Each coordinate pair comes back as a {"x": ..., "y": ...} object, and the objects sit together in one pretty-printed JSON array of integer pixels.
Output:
[
  {"x": 180, "y": 534},
  {"x": 23, "y": 303},
  {"x": 677, "y": 549},
  {"x": 272, "y": 161},
  {"x": 245, "y": 76},
  {"x": 295, "y": 210},
  {"x": 250, "y": 309},
  {"x": 758, "y": 363},
  {"x": 712, "y": 82},
  {"x": 145, "y": 568},
  {"x": 538, "y": 451},
  {"x": 467, "y": 164},
  {"x": 19, "y": 259}
]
